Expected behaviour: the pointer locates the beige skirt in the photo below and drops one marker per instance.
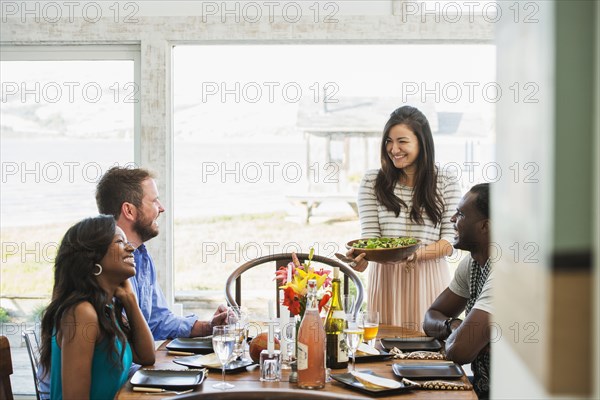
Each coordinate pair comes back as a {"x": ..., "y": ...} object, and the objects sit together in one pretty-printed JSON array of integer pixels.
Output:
[{"x": 402, "y": 298}]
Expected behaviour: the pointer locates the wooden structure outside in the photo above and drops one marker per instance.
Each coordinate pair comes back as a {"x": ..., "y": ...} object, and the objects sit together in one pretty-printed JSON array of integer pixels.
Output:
[{"x": 341, "y": 124}]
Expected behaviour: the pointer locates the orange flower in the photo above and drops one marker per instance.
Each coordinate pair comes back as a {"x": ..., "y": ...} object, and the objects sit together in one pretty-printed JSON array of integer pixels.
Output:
[
  {"x": 324, "y": 300},
  {"x": 291, "y": 301},
  {"x": 295, "y": 288}
]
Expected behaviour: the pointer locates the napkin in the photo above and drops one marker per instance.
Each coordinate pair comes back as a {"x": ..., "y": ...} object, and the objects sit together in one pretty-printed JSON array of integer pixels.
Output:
[
  {"x": 439, "y": 385},
  {"x": 417, "y": 355},
  {"x": 209, "y": 360},
  {"x": 365, "y": 349},
  {"x": 375, "y": 382}
]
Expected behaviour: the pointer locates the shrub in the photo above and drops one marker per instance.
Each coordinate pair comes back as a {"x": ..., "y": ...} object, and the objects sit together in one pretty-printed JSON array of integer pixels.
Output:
[{"x": 4, "y": 317}]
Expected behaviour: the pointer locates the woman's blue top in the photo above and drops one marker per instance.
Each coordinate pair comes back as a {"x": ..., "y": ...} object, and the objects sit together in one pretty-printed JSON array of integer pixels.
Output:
[{"x": 107, "y": 376}]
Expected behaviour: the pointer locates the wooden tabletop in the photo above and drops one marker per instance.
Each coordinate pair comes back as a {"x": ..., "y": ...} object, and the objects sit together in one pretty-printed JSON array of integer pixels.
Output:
[{"x": 249, "y": 381}]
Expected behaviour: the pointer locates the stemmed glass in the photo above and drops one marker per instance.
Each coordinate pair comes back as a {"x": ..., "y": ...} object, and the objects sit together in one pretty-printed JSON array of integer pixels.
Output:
[
  {"x": 354, "y": 335},
  {"x": 224, "y": 339},
  {"x": 348, "y": 303},
  {"x": 237, "y": 318},
  {"x": 369, "y": 321}
]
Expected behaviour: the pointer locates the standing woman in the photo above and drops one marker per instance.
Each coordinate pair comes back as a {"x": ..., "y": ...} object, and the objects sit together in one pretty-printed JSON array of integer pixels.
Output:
[
  {"x": 88, "y": 343},
  {"x": 408, "y": 196}
]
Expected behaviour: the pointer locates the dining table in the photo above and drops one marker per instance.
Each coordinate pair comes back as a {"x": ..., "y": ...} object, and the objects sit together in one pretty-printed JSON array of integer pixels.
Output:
[{"x": 248, "y": 385}]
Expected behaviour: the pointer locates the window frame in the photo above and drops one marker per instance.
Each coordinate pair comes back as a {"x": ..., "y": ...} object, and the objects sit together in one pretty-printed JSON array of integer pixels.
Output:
[{"x": 86, "y": 53}]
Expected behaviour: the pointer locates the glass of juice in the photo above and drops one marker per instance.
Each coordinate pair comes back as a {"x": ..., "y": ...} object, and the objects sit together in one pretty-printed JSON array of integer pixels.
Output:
[{"x": 369, "y": 322}]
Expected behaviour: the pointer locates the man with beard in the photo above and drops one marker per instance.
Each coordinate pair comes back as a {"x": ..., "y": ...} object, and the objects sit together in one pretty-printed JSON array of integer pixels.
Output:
[
  {"x": 131, "y": 196},
  {"x": 468, "y": 341}
]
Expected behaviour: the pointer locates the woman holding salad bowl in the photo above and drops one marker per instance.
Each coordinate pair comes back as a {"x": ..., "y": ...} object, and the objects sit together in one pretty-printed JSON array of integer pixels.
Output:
[{"x": 407, "y": 197}]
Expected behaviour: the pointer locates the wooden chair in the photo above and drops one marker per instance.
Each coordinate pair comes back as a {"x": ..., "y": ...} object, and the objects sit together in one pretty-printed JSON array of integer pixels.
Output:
[
  {"x": 32, "y": 344},
  {"x": 6, "y": 369},
  {"x": 282, "y": 259}
]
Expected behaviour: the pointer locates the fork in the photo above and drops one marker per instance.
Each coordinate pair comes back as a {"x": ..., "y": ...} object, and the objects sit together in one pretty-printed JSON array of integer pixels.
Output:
[{"x": 149, "y": 390}]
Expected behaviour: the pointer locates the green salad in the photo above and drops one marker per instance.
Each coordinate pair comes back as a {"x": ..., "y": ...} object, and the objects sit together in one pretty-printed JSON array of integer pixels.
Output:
[{"x": 384, "y": 243}]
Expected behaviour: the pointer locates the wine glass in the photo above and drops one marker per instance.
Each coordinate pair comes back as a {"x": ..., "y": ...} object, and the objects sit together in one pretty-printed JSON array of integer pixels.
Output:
[
  {"x": 224, "y": 339},
  {"x": 354, "y": 335},
  {"x": 348, "y": 303},
  {"x": 369, "y": 321},
  {"x": 237, "y": 318}
]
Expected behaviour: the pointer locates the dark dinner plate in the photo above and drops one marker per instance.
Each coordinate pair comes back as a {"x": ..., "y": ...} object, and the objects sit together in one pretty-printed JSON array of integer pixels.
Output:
[
  {"x": 383, "y": 355},
  {"x": 192, "y": 345},
  {"x": 349, "y": 380},
  {"x": 427, "y": 370},
  {"x": 423, "y": 343},
  {"x": 168, "y": 379},
  {"x": 195, "y": 362}
]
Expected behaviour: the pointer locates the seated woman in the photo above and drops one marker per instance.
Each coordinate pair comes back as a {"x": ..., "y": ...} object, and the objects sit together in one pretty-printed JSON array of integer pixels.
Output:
[{"x": 88, "y": 343}]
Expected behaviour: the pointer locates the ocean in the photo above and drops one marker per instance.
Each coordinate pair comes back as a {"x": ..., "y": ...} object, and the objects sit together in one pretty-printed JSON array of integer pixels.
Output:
[{"x": 53, "y": 180}]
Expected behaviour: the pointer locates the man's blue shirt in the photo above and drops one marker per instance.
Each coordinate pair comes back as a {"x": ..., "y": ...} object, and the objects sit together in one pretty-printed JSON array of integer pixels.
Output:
[{"x": 162, "y": 322}]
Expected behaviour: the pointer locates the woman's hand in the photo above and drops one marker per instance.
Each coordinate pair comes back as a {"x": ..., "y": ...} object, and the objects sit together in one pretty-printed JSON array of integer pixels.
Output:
[
  {"x": 359, "y": 263},
  {"x": 125, "y": 292}
]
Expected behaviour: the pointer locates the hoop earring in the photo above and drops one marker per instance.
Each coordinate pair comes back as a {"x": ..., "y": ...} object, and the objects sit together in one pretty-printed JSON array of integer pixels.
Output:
[{"x": 99, "y": 269}]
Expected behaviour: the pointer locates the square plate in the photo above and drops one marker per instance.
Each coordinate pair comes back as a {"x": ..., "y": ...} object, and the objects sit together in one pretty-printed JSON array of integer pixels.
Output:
[
  {"x": 168, "y": 378},
  {"x": 383, "y": 355},
  {"x": 427, "y": 370},
  {"x": 349, "y": 380},
  {"x": 196, "y": 362},
  {"x": 424, "y": 343},
  {"x": 193, "y": 345}
]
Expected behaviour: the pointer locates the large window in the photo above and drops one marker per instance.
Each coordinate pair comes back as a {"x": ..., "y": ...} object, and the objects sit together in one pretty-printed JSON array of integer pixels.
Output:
[
  {"x": 259, "y": 127},
  {"x": 67, "y": 116}
]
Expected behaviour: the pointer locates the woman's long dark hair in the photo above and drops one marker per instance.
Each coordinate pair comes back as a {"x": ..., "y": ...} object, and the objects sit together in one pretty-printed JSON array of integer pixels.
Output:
[
  {"x": 425, "y": 196},
  {"x": 84, "y": 245}
]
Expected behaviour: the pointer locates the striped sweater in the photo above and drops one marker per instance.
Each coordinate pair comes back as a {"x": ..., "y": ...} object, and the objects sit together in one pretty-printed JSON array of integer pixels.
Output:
[{"x": 378, "y": 221}]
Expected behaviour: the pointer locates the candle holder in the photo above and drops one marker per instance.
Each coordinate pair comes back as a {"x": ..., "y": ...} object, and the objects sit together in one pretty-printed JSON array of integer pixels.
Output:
[
  {"x": 270, "y": 366},
  {"x": 288, "y": 344}
]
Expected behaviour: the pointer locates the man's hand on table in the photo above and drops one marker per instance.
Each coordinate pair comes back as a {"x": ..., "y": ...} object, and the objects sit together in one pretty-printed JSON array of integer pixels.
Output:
[{"x": 204, "y": 328}]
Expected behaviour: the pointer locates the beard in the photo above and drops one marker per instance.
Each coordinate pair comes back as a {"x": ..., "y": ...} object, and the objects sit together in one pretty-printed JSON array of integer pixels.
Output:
[
  {"x": 144, "y": 227},
  {"x": 465, "y": 243}
]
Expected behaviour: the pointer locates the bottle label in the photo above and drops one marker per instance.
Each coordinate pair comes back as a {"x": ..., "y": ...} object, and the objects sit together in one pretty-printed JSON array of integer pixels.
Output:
[
  {"x": 342, "y": 349},
  {"x": 302, "y": 360},
  {"x": 339, "y": 314}
]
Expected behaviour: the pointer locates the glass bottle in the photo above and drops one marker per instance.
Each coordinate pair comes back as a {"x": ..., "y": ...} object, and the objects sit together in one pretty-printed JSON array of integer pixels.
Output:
[
  {"x": 311, "y": 344},
  {"x": 337, "y": 352}
]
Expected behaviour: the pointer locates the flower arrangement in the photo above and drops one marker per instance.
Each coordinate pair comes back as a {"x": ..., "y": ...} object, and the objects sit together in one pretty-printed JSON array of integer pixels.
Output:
[{"x": 294, "y": 281}]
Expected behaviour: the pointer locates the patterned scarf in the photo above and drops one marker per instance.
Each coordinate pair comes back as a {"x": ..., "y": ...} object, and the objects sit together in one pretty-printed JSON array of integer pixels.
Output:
[{"x": 481, "y": 364}]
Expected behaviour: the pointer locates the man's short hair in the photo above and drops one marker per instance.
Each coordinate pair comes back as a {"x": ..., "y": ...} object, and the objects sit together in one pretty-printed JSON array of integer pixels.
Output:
[
  {"x": 120, "y": 185},
  {"x": 482, "y": 202}
]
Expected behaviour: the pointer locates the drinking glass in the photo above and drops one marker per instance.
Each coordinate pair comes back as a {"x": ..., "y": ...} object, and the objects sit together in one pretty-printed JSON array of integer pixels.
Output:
[
  {"x": 369, "y": 322},
  {"x": 237, "y": 319},
  {"x": 224, "y": 339},
  {"x": 348, "y": 303},
  {"x": 354, "y": 335}
]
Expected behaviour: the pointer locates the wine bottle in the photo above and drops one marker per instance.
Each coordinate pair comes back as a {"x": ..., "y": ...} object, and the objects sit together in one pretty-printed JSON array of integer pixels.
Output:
[
  {"x": 311, "y": 344},
  {"x": 337, "y": 351}
]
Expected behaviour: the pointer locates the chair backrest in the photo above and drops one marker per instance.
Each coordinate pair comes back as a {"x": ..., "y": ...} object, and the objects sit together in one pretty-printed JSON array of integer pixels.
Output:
[
  {"x": 6, "y": 369},
  {"x": 283, "y": 259},
  {"x": 33, "y": 349}
]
